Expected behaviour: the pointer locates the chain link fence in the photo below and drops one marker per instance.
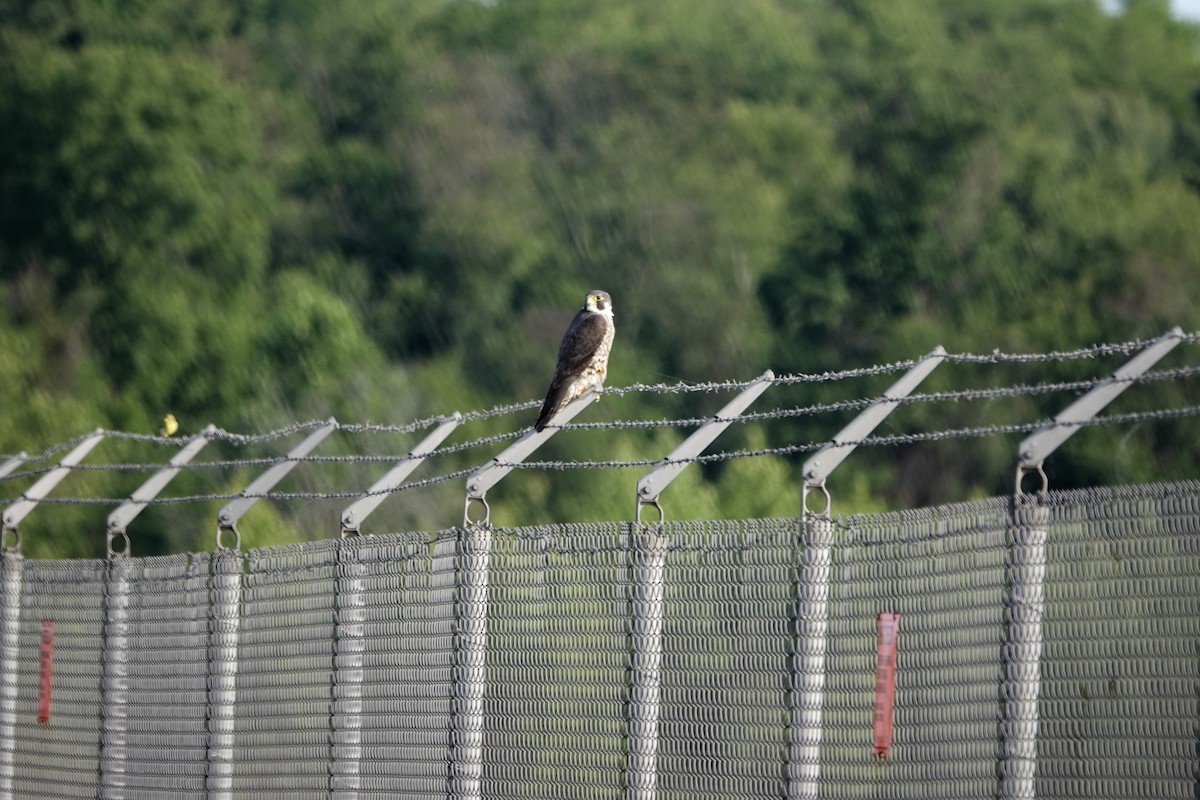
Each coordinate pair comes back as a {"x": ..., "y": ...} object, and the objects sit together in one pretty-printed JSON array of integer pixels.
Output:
[{"x": 1048, "y": 646}]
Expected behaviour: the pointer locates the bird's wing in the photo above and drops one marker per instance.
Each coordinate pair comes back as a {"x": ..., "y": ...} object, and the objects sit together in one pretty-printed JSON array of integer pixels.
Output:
[
  {"x": 584, "y": 336},
  {"x": 579, "y": 344}
]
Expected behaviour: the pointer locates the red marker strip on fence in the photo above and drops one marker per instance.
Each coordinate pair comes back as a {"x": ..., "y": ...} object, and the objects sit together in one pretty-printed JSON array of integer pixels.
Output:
[
  {"x": 45, "y": 671},
  {"x": 885, "y": 681}
]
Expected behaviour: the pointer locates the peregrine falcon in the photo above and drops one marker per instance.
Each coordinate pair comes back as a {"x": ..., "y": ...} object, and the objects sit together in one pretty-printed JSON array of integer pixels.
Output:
[{"x": 582, "y": 356}]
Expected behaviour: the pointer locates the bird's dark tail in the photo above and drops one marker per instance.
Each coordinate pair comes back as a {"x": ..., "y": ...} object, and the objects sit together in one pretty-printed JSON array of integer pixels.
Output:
[{"x": 548, "y": 409}]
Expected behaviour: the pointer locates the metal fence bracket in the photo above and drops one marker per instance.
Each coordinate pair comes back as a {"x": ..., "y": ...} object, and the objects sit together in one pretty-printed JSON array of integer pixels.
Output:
[
  {"x": 228, "y": 516},
  {"x": 823, "y": 462},
  {"x": 660, "y": 476},
  {"x": 1037, "y": 446},
  {"x": 16, "y": 513},
  {"x": 360, "y": 509},
  {"x": 119, "y": 519}
]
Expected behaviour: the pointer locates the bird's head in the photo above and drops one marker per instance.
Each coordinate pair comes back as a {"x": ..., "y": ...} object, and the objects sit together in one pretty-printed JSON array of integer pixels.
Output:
[{"x": 598, "y": 300}]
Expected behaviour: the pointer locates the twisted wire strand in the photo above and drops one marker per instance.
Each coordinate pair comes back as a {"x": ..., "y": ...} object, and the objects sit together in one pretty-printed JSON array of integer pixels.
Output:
[
  {"x": 996, "y": 356},
  {"x": 888, "y": 440},
  {"x": 1016, "y": 390}
]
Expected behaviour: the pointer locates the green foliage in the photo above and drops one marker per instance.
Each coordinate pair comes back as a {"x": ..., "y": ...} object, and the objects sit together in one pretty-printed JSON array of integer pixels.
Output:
[{"x": 253, "y": 212}]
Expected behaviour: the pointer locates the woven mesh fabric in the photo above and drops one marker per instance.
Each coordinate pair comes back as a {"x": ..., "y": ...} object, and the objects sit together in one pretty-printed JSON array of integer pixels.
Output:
[
  {"x": 349, "y": 668},
  {"x": 59, "y": 760},
  {"x": 943, "y": 571},
  {"x": 1120, "y": 700},
  {"x": 160, "y": 714}
]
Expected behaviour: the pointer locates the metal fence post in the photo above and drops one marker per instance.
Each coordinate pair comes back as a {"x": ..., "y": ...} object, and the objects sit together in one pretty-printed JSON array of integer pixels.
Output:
[
  {"x": 350, "y": 645},
  {"x": 348, "y": 664},
  {"x": 13, "y": 568},
  {"x": 473, "y": 554},
  {"x": 1023, "y": 646},
  {"x": 225, "y": 627},
  {"x": 10, "y": 615},
  {"x": 115, "y": 712},
  {"x": 470, "y": 662},
  {"x": 228, "y": 567},
  {"x": 808, "y": 669},
  {"x": 648, "y": 547}
]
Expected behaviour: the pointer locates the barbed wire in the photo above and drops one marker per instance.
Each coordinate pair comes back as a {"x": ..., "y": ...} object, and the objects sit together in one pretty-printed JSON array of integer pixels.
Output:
[
  {"x": 1012, "y": 391},
  {"x": 1016, "y": 390},
  {"x": 242, "y": 439},
  {"x": 886, "y": 440},
  {"x": 1007, "y": 391},
  {"x": 872, "y": 441}
]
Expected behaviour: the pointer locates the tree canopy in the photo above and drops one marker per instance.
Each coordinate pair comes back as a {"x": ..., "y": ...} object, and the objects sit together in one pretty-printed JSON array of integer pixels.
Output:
[{"x": 250, "y": 212}]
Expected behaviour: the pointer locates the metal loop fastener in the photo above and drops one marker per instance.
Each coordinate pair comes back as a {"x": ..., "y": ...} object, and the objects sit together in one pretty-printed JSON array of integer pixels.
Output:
[
  {"x": 114, "y": 536},
  {"x": 653, "y": 504},
  {"x": 486, "y": 521},
  {"x": 811, "y": 488},
  {"x": 1023, "y": 470},
  {"x": 237, "y": 537}
]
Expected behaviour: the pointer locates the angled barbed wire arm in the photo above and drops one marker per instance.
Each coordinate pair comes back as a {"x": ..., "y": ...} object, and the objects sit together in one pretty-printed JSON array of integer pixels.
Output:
[
  {"x": 16, "y": 513},
  {"x": 1037, "y": 447},
  {"x": 124, "y": 514},
  {"x": 491, "y": 473},
  {"x": 823, "y": 462},
  {"x": 14, "y": 462},
  {"x": 228, "y": 516},
  {"x": 354, "y": 514},
  {"x": 651, "y": 485}
]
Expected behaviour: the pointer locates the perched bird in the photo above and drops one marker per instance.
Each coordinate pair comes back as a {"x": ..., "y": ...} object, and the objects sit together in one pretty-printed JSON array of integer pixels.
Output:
[
  {"x": 582, "y": 356},
  {"x": 170, "y": 425}
]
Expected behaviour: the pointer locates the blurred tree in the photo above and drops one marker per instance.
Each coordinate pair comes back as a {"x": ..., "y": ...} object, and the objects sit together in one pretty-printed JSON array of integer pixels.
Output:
[
  {"x": 131, "y": 197},
  {"x": 251, "y": 211},
  {"x": 1015, "y": 184}
]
